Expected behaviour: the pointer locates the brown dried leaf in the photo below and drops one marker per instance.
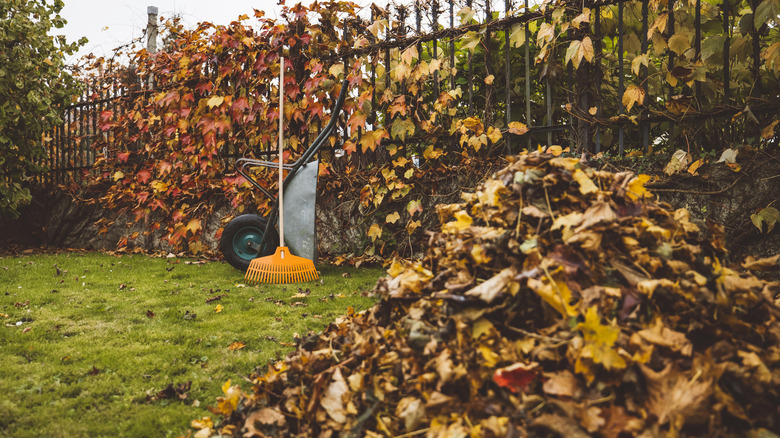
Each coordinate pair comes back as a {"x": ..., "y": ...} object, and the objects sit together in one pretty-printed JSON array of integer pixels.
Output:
[
  {"x": 672, "y": 396},
  {"x": 333, "y": 400},
  {"x": 666, "y": 337},
  {"x": 562, "y": 384}
]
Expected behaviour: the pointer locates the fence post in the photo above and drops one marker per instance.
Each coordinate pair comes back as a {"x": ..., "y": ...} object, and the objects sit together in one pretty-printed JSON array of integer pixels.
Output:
[{"x": 151, "y": 29}]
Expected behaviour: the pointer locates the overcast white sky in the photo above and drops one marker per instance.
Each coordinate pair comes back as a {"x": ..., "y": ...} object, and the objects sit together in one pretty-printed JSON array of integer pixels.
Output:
[{"x": 112, "y": 23}]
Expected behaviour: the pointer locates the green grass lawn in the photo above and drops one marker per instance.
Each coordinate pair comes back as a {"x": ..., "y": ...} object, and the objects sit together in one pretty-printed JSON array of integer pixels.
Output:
[{"x": 89, "y": 342}]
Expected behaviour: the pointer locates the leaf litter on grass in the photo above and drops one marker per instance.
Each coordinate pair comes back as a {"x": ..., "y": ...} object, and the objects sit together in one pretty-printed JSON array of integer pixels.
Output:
[{"x": 557, "y": 300}]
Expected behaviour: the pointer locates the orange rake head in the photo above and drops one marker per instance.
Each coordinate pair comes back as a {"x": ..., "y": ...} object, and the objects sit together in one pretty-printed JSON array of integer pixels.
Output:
[{"x": 281, "y": 267}]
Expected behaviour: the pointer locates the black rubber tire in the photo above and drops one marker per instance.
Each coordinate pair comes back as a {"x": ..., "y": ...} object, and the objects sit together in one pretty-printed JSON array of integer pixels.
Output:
[{"x": 233, "y": 243}]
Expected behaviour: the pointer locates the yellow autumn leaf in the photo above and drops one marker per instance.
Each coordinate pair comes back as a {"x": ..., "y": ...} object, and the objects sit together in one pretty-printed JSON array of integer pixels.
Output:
[
  {"x": 633, "y": 95},
  {"x": 695, "y": 166},
  {"x": 215, "y": 101},
  {"x": 194, "y": 225},
  {"x": 336, "y": 69},
  {"x": 517, "y": 128},
  {"x": 392, "y": 218},
  {"x": 490, "y": 356},
  {"x": 375, "y": 232},
  {"x": 557, "y": 295},
  {"x": 494, "y": 134},
  {"x": 769, "y": 131},
  {"x": 431, "y": 153},
  {"x": 218, "y": 308},
  {"x": 479, "y": 255},
  {"x": 489, "y": 79},
  {"x": 491, "y": 194},
  {"x": 555, "y": 150},
  {"x": 396, "y": 269},
  {"x": 118, "y": 175},
  {"x": 586, "y": 184},
  {"x": 202, "y": 423},
  {"x": 227, "y": 404},
  {"x": 599, "y": 341},
  {"x": 517, "y": 35},
  {"x": 159, "y": 186},
  {"x": 636, "y": 187},
  {"x": 461, "y": 222}
]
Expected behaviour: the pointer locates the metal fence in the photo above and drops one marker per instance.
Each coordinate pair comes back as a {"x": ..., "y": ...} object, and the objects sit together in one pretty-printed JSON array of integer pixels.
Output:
[{"x": 582, "y": 108}]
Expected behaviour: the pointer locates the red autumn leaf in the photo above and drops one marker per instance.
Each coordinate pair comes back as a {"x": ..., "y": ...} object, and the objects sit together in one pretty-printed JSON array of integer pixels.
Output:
[
  {"x": 516, "y": 377},
  {"x": 177, "y": 215},
  {"x": 169, "y": 98},
  {"x": 143, "y": 176},
  {"x": 123, "y": 156},
  {"x": 239, "y": 105}
]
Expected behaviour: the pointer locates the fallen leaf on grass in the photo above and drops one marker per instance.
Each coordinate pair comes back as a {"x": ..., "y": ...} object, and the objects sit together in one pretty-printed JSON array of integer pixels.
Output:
[
  {"x": 215, "y": 298},
  {"x": 171, "y": 392},
  {"x": 236, "y": 346},
  {"x": 26, "y": 329},
  {"x": 218, "y": 308},
  {"x": 202, "y": 423},
  {"x": 149, "y": 314}
]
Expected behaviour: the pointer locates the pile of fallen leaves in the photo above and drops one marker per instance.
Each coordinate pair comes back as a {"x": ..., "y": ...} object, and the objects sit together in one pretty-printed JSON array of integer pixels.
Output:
[{"x": 556, "y": 301}]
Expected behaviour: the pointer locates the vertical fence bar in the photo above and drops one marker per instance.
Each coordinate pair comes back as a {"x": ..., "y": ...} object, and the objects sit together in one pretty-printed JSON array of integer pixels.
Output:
[
  {"x": 387, "y": 62},
  {"x": 435, "y": 13},
  {"x": 726, "y": 54},
  {"x": 452, "y": 46},
  {"x": 372, "y": 116},
  {"x": 597, "y": 61},
  {"x": 697, "y": 45},
  {"x": 95, "y": 128},
  {"x": 621, "y": 90},
  {"x": 644, "y": 79},
  {"x": 470, "y": 3},
  {"x": 69, "y": 159},
  {"x": 418, "y": 27},
  {"x": 548, "y": 99},
  {"x": 488, "y": 58},
  {"x": 671, "y": 54},
  {"x": 528, "y": 120},
  {"x": 508, "y": 74},
  {"x": 571, "y": 98},
  {"x": 726, "y": 69},
  {"x": 758, "y": 89}
]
